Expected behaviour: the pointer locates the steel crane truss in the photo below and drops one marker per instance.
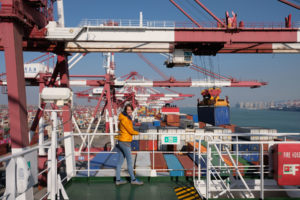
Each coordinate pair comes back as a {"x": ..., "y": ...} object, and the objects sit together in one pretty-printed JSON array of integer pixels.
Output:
[{"x": 166, "y": 39}]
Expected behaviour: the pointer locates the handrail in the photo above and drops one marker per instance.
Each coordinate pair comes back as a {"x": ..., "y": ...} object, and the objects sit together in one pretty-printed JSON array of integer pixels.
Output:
[{"x": 174, "y": 24}]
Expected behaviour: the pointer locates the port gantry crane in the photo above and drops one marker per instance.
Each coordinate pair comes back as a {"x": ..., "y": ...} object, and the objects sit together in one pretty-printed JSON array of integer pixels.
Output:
[{"x": 28, "y": 25}]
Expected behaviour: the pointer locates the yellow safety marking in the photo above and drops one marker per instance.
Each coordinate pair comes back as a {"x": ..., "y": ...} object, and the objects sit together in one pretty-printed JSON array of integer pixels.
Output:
[
  {"x": 178, "y": 189},
  {"x": 186, "y": 193}
]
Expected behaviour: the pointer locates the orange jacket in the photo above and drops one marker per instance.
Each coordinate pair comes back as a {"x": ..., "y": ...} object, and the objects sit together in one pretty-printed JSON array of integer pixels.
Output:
[{"x": 126, "y": 129}]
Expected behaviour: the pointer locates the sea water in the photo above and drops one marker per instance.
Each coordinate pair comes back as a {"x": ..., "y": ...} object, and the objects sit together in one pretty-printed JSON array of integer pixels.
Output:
[{"x": 283, "y": 121}]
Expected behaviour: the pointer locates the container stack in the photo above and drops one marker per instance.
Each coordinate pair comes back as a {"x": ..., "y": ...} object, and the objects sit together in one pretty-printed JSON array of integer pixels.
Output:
[
  {"x": 143, "y": 164},
  {"x": 256, "y": 130},
  {"x": 214, "y": 115},
  {"x": 173, "y": 120}
]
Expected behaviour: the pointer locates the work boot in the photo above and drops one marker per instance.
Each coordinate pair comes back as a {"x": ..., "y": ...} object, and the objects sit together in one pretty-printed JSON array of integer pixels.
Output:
[
  {"x": 137, "y": 182},
  {"x": 121, "y": 182}
]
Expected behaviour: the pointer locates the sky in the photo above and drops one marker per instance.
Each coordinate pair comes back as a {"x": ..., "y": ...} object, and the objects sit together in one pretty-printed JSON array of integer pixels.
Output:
[{"x": 281, "y": 71}]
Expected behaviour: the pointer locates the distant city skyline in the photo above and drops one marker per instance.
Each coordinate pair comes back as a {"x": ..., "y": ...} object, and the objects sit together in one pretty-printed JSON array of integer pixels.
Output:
[
  {"x": 269, "y": 104},
  {"x": 281, "y": 71}
]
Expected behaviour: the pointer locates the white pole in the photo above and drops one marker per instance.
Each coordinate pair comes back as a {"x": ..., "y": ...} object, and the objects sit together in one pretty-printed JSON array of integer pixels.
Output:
[
  {"x": 73, "y": 57},
  {"x": 141, "y": 19},
  {"x": 111, "y": 127},
  {"x": 53, "y": 156},
  {"x": 76, "y": 61},
  {"x": 262, "y": 187},
  {"x": 208, "y": 157},
  {"x": 49, "y": 173},
  {"x": 41, "y": 137},
  {"x": 60, "y": 13}
]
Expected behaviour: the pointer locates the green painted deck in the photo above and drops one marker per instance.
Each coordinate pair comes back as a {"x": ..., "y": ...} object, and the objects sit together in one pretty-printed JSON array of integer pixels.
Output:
[
  {"x": 154, "y": 188},
  {"x": 161, "y": 188}
]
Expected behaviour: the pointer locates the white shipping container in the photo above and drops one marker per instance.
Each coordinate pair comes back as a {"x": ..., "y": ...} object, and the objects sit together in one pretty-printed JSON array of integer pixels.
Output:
[{"x": 143, "y": 159}]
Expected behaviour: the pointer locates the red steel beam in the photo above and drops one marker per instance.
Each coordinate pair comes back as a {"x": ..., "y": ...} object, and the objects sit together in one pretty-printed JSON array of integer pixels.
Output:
[
  {"x": 12, "y": 39},
  {"x": 87, "y": 76},
  {"x": 210, "y": 13},
  {"x": 251, "y": 84},
  {"x": 290, "y": 4},
  {"x": 64, "y": 74},
  {"x": 208, "y": 73},
  {"x": 152, "y": 66},
  {"x": 20, "y": 10},
  {"x": 243, "y": 36},
  {"x": 185, "y": 13},
  {"x": 245, "y": 40}
]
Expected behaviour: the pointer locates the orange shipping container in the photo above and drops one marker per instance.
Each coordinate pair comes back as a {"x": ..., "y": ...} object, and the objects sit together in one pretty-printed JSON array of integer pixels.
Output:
[
  {"x": 172, "y": 118},
  {"x": 202, "y": 125},
  {"x": 191, "y": 147},
  {"x": 176, "y": 124},
  {"x": 229, "y": 163},
  {"x": 189, "y": 117}
]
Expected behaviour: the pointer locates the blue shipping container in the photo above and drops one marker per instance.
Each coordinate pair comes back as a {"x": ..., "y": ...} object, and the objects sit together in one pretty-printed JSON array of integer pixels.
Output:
[
  {"x": 173, "y": 163},
  {"x": 195, "y": 118},
  {"x": 135, "y": 145},
  {"x": 156, "y": 123},
  {"x": 197, "y": 160},
  {"x": 246, "y": 147},
  {"x": 251, "y": 158},
  {"x": 215, "y": 116},
  {"x": 111, "y": 161},
  {"x": 98, "y": 160},
  {"x": 96, "y": 163}
]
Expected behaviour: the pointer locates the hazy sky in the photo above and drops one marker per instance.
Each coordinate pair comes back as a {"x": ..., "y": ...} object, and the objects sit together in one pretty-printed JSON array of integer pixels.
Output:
[{"x": 281, "y": 71}]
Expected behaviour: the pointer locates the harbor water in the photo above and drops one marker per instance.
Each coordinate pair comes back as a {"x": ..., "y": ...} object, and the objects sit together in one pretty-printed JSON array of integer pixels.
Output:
[{"x": 283, "y": 121}]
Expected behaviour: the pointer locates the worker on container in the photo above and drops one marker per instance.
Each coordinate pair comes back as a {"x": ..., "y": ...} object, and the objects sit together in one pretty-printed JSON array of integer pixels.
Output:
[{"x": 124, "y": 145}]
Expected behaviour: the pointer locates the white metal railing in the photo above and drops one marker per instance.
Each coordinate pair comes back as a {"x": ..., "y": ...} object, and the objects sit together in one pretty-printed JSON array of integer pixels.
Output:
[
  {"x": 173, "y": 24},
  {"x": 213, "y": 148},
  {"x": 258, "y": 169},
  {"x": 46, "y": 145},
  {"x": 217, "y": 185},
  {"x": 125, "y": 23}
]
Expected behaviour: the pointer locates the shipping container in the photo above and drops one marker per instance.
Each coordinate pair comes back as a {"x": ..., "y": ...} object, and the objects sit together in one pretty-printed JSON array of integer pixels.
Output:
[
  {"x": 189, "y": 117},
  {"x": 159, "y": 162},
  {"x": 135, "y": 145},
  {"x": 174, "y": 164},
  {"x": 230, "y": 127},
  {"x": 246, "y": 147},
  {"x": 96, "y": 163},
  {"x": 170, "y": 118},
  {"x": 188, "y": 165},
  {"x": 156, "y": 123},
  {"x": 255, "y": 130},
  {"x": 197, "y": 161},
  {"x": 174, "y": 124},
  {"x": 143, "y": 164},
  {"x": 170, "y": 110},
  {"x": 186, "y": 123},
  {"x": 111, "y": 161},
  {"x": 148, "y": 145},
  {"x": 229, "y": 163},
  {"x": 214, "y": 115},
  {"x": 251, "y": 157},
  {"x": 202, "y": 125},
  {"x": 195, "y": 118}
]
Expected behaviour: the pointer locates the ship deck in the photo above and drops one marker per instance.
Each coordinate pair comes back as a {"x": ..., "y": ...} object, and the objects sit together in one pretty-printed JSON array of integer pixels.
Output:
[{"x": 158, "y": 188}]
